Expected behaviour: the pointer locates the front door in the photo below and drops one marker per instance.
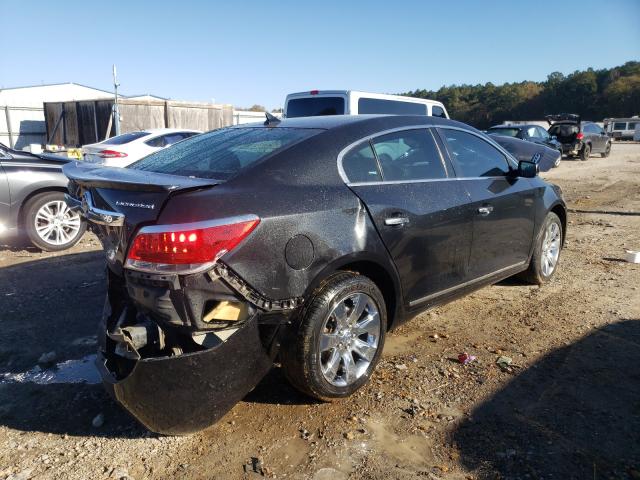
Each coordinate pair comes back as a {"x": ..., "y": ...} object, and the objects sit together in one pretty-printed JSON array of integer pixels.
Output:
[
  {"x": 420, "y": 210},
  {"x": 502, "y": 204}
]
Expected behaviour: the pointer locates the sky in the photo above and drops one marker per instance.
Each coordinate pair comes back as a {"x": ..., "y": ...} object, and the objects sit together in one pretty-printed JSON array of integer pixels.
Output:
[{"x": 255, "y": 52}]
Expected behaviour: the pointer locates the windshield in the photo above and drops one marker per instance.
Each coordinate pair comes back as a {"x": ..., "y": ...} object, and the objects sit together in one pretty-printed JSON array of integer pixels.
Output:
[
  {"x": 125, "y": 138},
  {"x": 315, "y": 106},
  {"x": 507, "y": 132},
  {"x": 222, "y": 153}
]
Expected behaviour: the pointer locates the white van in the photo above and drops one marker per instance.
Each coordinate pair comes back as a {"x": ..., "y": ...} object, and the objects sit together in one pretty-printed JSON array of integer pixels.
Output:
[{"x": 352, "y": 102}]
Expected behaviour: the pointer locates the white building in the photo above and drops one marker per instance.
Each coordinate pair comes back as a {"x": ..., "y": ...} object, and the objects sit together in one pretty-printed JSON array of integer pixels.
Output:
[{"x": 22, "y": 114}]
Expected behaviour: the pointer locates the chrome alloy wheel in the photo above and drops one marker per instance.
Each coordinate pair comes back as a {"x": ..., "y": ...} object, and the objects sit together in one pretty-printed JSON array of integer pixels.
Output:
[
  {"x": 56, "y": 223},
  {"x": 550, "y": 249},
  {"x": 349, "y": 339}
]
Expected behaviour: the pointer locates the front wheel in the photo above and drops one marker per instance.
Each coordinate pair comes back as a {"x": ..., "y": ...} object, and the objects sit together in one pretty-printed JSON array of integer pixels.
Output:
[
  {"x": 607, "y": 150},
  {"x": 338, "y": 340},
  {"x": 546, "y": 253},
  {"x": 50, "y": 224}
]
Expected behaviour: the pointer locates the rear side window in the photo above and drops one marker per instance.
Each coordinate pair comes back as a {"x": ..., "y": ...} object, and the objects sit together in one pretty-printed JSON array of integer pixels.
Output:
[
  {"x": 125, "y": 138},
  {"x": 409, "y": 155},
  {"x": 222, "y": 153},
  {"x": 620, "y": 126},
  {"x": 437, "y": 111},
  {"x": 393, "y": 107},
  {"x": 315, "y": 106},
  {"x": 360, "y": 164},
  {"x": 473, "y": 156}
]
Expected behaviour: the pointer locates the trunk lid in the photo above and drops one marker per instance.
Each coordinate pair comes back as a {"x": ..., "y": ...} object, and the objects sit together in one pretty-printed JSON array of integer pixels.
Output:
[{"x": 117, "y": 201}]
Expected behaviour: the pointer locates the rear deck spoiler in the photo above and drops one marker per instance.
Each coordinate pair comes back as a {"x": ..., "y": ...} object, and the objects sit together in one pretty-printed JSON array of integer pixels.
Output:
[
  {"x": 97, "y": 176},
  {"x": 561, "y": 117}
]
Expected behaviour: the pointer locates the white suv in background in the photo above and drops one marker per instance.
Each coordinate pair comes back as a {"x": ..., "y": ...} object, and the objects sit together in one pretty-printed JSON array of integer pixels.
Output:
[
  {"x": 127, "y": 148},
  {"x": 351, "y": 102}
]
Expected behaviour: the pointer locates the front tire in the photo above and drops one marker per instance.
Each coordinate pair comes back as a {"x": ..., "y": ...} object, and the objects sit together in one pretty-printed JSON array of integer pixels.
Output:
[
  {"x": 546, "y": 253},
  {"x": 585, "y": 153},
  {"x": 49, "y": 223},
  {"x": 607, "y": 150},
  {"x": 338, "y": 339}
]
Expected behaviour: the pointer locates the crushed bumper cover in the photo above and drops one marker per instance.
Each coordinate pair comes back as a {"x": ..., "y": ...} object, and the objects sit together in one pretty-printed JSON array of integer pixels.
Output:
[{"x": 182, "y": 394}]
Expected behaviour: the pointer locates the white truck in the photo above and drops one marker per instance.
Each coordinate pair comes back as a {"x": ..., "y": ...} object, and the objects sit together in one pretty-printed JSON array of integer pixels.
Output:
[{"x": 352, "y": 102}]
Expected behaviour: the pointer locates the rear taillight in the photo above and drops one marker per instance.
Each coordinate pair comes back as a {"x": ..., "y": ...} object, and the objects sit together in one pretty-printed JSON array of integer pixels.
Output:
[
  {"x": 186, "y": 248},
  {"x": 314, "y": 92},
  {"x": 111, "y": 154},
  {"x": 580, "y": 136}
]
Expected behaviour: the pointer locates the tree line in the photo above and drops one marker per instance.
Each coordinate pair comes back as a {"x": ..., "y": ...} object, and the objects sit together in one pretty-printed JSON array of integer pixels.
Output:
[{"x": 593, "y": 94}]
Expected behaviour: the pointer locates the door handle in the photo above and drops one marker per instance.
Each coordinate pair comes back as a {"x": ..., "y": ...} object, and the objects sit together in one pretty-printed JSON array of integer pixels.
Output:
[
  {"x": 484, "y": 211},
  {"x": 396, "y": 221}
]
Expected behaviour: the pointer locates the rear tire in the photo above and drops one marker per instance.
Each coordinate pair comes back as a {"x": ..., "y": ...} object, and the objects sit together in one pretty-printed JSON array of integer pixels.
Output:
[
  {"x": 607, "y": 150},
  {"x": 585, "y": 153},
  {"x": 546, "y": 254},
  {"x": 332, "y": 349},
  {"x": 50, "y": 225}
]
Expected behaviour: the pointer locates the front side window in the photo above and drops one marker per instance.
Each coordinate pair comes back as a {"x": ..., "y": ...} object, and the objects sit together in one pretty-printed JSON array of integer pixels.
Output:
[
  {"x": 409, "y": 155},
  {"x": 532, "y": 132},
  {"x": 632, "y": 126},
  {"x": 620, "y": 126},
  {"x": 437, "y": 111},
  {"x": 221, "y": 154},
  {"x": 473, "y": 157},
  {"x": 360, "y": 164},
  {"x": 542, "y": 133},
  {"x": 393, "y": 107},
  {"x": 315, "y": 106}
]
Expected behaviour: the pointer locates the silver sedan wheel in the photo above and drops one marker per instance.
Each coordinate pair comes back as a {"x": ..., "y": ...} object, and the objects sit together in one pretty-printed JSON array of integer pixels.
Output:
[
  {"x": 349, "y": 339},
  {"x": 56, "y": 223},
  {"x": 550, "y": 249}
]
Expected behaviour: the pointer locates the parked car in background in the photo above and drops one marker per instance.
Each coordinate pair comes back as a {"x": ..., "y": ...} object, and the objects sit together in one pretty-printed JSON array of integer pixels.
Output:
[
  {"x": 351, "y": 102},
  {"x": 546, "y": 157},
  {"x": 32, "y": 189},
  {"x": 530, "y": 133},
  {"x": 579, "y": 138},
  {"x": 325, "y": 234},
  {"x": 621, "y": 128},
  {"x": 122, "y": 150}
]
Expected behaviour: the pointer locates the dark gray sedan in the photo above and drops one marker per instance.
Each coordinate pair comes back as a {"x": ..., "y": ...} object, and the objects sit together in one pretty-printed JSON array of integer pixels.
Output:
[
  {"x": 303, "y": 242},
  {"x": 32, "y": 189}
]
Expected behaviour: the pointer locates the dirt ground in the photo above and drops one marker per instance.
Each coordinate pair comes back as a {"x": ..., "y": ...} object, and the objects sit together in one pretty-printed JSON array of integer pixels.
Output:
[{"x": 567, "y": 407}]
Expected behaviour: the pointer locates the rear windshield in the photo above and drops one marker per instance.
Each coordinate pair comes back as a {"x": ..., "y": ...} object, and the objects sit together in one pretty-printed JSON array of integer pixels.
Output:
[
  {"x": 507, "y": 132},
  {"x": 315, "y": 106},
  {"x": 125, "y": 138},
  {"x": 222, "y": 153}
]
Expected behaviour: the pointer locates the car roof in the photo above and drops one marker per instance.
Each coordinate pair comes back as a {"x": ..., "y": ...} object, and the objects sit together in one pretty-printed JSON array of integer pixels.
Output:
[
  {"x": 327, "y": 122},
  {"x": 167, "y": 130}
]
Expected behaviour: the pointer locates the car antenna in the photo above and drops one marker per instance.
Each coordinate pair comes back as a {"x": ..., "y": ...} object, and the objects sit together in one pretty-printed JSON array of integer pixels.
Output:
[{"x": 271, "y": 119}]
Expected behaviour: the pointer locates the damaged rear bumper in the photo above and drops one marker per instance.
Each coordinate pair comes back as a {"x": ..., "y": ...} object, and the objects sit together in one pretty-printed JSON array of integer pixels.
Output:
[
  {"x": 178, "y": 353},
  {"x": 182, "y": 394}
]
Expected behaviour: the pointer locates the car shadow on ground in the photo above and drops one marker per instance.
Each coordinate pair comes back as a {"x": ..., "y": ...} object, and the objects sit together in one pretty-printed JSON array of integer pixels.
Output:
[
  {"x": 53, "y": 304},
  {"x": 573, "y": 414},
  {"x": 275, "y": 389}
]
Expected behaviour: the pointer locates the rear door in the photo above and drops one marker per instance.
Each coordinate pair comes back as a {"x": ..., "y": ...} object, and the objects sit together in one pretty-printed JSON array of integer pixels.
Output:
[
  {"x": 502, "y": 204},
  {"x": 420, "y": 211},
  {"x": 5, "y": 193}
]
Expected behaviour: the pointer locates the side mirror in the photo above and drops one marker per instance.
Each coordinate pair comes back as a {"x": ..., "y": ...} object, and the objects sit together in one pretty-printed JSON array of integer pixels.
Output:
[{"x": 528, "y": 169}]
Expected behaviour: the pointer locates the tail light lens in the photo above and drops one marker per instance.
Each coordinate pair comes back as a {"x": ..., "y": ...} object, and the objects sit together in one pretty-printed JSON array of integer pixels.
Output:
[
  {"x": 186, "y": 248},
  {"x": 111, "y": 154},
  {"x": 580, "y": 136}
]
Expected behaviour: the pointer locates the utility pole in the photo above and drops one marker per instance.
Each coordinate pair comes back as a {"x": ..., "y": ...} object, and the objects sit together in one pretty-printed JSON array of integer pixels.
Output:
[{"x": 116, "y": 109}]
